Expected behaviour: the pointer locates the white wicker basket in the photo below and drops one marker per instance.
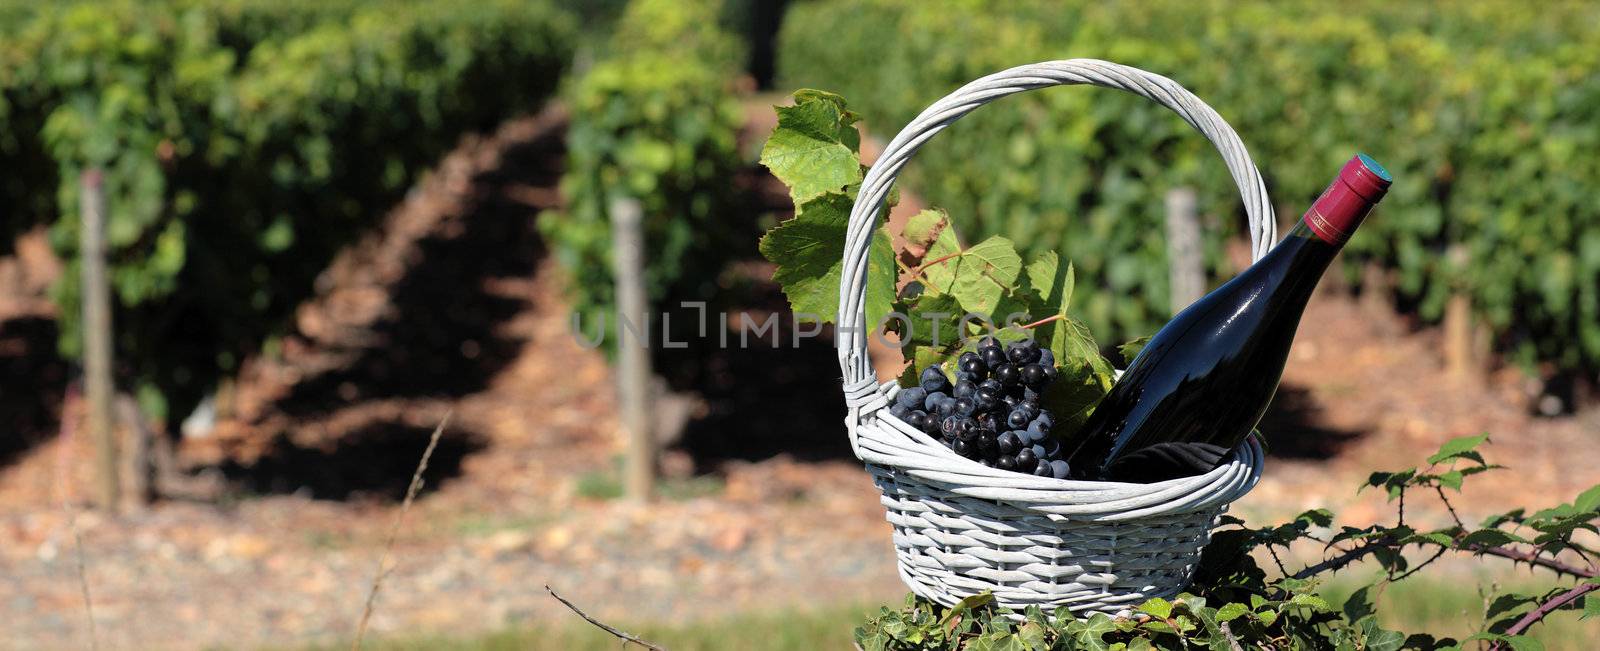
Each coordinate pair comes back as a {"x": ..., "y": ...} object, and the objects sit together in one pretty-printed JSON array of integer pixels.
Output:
[{"x": 961, "y": 528}]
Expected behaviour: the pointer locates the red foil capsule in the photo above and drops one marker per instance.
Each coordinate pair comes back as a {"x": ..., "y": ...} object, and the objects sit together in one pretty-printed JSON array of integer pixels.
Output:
[{"x": 1340, "y": 209}]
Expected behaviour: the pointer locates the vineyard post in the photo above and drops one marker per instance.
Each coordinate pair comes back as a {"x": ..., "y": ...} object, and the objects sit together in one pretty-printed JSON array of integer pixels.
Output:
[
  {"x": 1187, "y": 271},
  {"x": 97, "y": 352},
  {"x": 633, "y": 358}
]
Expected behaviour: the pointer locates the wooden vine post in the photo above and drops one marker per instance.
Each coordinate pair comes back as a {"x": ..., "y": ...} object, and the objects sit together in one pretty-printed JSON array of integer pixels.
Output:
[
  {"x": 633, "y": 357},
  {"x": 96, "y": 293},
  {"x": 1187, "y": 275}
]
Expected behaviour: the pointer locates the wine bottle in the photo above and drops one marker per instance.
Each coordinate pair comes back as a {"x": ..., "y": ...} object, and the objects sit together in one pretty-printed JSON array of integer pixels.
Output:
[{"x": 1204, "y": 380}]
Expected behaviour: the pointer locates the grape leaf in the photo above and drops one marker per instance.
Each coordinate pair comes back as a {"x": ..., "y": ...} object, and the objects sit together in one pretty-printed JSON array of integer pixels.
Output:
[
  {"x": 928, "y": 229},
  {"x": 984, "y": 274},
  {"x": 1049, "y": 284},
  {"x": 808, "y": 251},
  {"x": 813, "y": 149},
  {"x": 1131, "y": 349}
]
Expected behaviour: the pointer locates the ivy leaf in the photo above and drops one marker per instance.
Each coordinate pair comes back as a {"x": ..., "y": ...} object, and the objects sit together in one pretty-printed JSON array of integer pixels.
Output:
[
  {"x": 808, "y": 251},
  {"x": 1157, "y": 607},
  {"x": 1311, "y": 601},
  {"x": 1231, "y": 611},
  {"x": 1460, "y": 447},
  {"x": 813, "y": 149}
]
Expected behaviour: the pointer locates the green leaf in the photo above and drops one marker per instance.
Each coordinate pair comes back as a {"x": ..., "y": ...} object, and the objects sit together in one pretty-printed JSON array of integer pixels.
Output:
[
  {"x": 1359, "y": 606},
  {"x": 808, "y": 251},
  {"x": 813, "y": 149},
  {"x": 975, "y": 601},
  {"x": 1490, "y": 538},
  {"x": 1458, "y": 447},
  {"x": 1157, "y": 607},
  {"x": 1311, "y": 601},
  {"x": 1588, "y": 500},
  {"x": 1132, "y": 349},
  {"x": 1231, "y": 611},
  {"x": 985, "y": 273},
  {"x": 1591, "y": 607},
  {"x": 1050, "y": 285},
  {"x": 1451, "y": 479},
  {"x": 1524, "y": 643},
  {"x": 930, "y": 230},
  {"x": 1382, "y": 640}
]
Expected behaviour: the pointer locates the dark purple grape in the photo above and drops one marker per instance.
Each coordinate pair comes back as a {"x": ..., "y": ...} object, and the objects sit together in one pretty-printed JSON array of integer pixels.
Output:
[
  {"x": 1011, "y": 401},
  {"x": 1023, "y": 352},
  {"x": 1045, "y": 420},
  {"x": 1018, "y": 418},
  {"x": 949, "y": 424},
  {"x": 1033, "y": 376},
  {"x": 992, "y": 357},
  {"x": 1038, "y": 451},
  {"x": 1008, "y": 443},
  {"x": 963, "y": 448},
  {"x": 988, "y": 342},
  {"x": 932, "y": 399},
  {"x": 1042, "y": 468},
  {"x": 987, "y": 395},
  {"x": 972, "y": 363},
  {"x": 1047, "y": 358},
  {"x": 986, "y": 441},
  {"x": 911, "y": 398},
  {"x": 1050, "y": 373},
  {"x": 1059, "y": 469},
  {"x": 1026, "y": 458},
  {"x": 917, "y": 418},
  {"x": 933, "y": 380},
  {"x": 986, "y": 463},
  {"x": 1006, "y": 462},
  {"x": 992, "y": 385},
  {"x": 1007, "y": 374},
  {"x": 964, "y": 389},
  {"x": 899, "y": 411},
  {"x": 967, "y": 429},
  {"x": 965, "y": 406}
]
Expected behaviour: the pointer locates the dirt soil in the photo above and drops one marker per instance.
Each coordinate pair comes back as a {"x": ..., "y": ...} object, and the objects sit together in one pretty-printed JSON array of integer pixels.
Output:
[{"x": 766, "y": 508}]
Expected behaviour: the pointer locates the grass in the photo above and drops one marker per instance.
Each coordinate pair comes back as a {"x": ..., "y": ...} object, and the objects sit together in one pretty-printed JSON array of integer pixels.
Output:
[
  {"x": 827, "y": 628},
  {"x": 1430, "y": 605}
]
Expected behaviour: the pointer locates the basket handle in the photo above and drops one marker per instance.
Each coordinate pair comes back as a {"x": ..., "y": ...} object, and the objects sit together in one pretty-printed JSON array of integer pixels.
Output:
[{"x": 853, "y": 360}]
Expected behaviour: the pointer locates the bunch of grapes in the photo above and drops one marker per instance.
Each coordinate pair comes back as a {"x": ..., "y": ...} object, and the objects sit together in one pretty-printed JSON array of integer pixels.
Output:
[{"x": 992, "y": 413}]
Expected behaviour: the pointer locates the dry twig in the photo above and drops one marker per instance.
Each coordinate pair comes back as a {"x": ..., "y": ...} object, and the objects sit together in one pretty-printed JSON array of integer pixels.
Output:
[
  {"x": 625, "y": 637},
  {"x": 394, "y": 531}
]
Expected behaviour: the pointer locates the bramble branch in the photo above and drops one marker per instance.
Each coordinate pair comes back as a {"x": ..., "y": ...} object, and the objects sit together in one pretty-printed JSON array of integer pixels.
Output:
[
  {"x": 625, "y": 637},
  {"x": 1544, "y": 609}
]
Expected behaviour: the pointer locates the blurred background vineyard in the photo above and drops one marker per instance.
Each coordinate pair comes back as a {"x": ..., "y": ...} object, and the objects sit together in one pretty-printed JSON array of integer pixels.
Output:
[{"x": 330, "y": 223}]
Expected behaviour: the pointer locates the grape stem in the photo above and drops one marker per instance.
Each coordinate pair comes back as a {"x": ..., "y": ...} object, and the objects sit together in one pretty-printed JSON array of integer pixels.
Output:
[{"x": 1040, "y": 322}]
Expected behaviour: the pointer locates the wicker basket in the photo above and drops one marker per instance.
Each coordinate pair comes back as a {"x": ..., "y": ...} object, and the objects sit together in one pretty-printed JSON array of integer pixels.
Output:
[{"x": 961, "y": 528}]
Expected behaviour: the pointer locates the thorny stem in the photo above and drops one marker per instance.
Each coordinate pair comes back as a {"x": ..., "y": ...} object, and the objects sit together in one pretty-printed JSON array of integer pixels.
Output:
[
  {"x": 1546, "y": 608},
  {"x": 1449, "y": 506}
]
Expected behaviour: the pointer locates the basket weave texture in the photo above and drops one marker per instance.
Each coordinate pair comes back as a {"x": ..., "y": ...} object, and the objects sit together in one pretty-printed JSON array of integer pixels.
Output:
[{"x": 961, "y": 528}]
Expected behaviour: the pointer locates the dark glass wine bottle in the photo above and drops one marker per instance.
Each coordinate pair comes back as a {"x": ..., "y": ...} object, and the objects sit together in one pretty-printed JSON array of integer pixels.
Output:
[{"x": 1204, "y": 380}]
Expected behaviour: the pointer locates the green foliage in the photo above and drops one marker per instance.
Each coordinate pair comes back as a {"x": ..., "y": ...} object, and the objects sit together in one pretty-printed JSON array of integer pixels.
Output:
[
  {"x": 1233, "y": 603},
  {"x": 242, "y": 143},
  {"x": 1487, "y": 110},
  {"x": 951, "y": 294},
  {"x": 659, "y": 125}
]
